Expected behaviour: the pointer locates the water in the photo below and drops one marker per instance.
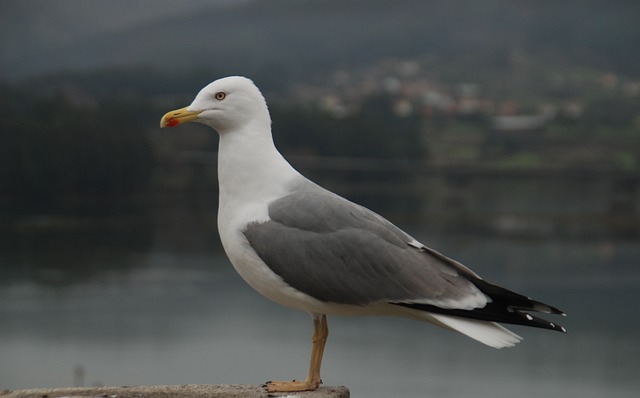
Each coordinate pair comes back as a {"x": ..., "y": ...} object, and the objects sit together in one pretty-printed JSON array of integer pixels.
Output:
[{"x": 82, "y": 305}]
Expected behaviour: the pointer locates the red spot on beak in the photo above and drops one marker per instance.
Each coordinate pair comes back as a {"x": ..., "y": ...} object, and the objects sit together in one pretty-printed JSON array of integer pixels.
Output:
[{"x": 172, "y": 122}]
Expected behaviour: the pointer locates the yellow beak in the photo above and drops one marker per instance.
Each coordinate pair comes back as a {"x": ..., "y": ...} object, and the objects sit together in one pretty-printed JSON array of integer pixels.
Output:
[{"x": 179, "y": 116}]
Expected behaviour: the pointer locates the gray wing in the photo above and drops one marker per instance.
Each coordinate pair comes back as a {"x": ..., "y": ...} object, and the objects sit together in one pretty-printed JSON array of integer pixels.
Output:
[{"x": 340, "y": 252}]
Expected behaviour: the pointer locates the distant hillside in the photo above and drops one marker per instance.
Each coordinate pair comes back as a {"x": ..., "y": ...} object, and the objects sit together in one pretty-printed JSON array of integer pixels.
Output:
[{"x": 294, "y": 38}]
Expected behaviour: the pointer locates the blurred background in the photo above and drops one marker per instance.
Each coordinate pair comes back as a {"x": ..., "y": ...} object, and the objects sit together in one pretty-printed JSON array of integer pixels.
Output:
[{"x": 505, "y": 134}]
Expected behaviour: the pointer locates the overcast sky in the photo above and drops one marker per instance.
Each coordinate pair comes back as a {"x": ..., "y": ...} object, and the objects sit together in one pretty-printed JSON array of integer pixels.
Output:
[
  {"x": 36, "y": 25},
  {"x": 43, "y": 35}
]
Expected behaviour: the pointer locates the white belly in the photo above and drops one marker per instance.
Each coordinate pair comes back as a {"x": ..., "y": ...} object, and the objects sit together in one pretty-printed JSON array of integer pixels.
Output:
[{"x": 260, "y": 277}]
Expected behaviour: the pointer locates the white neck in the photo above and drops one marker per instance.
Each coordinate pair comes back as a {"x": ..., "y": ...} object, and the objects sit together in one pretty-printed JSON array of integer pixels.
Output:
[{"x": 250, "y": 168}]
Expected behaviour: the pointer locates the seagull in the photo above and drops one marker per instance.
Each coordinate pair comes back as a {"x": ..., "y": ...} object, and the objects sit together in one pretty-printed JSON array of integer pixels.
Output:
[{"x": 310, "y": 249}]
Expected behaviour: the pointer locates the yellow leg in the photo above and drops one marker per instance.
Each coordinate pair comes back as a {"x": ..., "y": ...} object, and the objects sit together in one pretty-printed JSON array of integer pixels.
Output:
[{"x": 320, "y": 334}]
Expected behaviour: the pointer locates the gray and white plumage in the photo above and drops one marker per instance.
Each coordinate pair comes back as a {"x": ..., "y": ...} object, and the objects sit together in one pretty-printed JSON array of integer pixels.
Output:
[
  {"x": 308, "y": 248},
  {"x": 339, "y": 252}
]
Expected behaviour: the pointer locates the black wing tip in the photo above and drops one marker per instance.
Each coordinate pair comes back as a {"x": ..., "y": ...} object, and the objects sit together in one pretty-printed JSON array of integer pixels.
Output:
[
  {"x": 534, "y": 321},
  {"x": 510, "y": 315},
  {"x": 542, "y": 307},
  {"x": 527, "y": 319}
]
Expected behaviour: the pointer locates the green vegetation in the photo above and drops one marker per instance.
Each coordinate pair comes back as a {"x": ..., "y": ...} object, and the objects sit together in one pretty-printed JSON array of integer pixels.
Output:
[
  {"x": 96, "y": 132},
  {"x": 54, "y": 145},
  {"x": 374, "y": 132}
]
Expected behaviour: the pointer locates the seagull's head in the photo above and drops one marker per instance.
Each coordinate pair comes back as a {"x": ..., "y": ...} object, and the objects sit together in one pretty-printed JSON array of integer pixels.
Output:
[{"x": 226, "y": 104}]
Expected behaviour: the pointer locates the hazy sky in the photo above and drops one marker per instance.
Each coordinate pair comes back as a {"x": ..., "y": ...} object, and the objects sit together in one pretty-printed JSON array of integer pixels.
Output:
[
  {"x": 36, "y": 25},
  {"x": 61, "y": 20},
  {"x": 39, "y": 35}
]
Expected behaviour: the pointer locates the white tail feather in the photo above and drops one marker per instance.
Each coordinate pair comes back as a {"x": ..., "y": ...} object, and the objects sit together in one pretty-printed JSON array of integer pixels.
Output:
[{"x": 489, "y": 333}]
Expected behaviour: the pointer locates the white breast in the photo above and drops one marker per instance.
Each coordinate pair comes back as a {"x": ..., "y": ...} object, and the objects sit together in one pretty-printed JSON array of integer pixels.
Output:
[{"x": 251, "y": 268}]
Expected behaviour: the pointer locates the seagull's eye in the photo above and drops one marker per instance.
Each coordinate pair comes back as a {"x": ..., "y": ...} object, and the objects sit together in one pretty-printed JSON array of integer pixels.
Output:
[{"x": 220, "y": 95}]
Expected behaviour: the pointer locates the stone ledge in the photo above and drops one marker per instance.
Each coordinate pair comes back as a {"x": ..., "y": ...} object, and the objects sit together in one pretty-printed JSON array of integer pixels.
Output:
[{"x": 186, "y": 391}]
